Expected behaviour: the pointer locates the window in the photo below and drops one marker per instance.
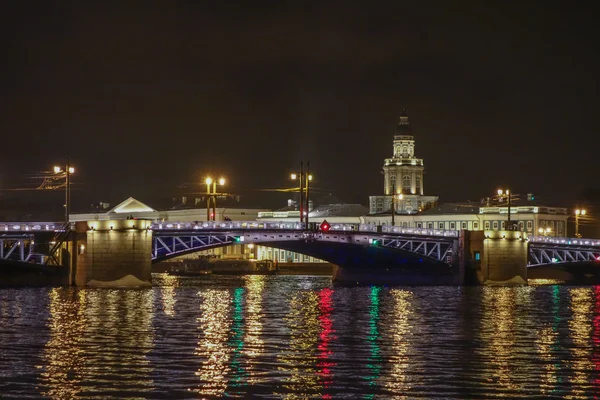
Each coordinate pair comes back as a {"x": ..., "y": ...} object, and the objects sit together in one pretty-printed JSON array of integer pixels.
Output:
[
  {"x": 441, "y": 225},
  {"x": 521, "y": 225},
  {"x": 495, "y": 225},
  {"x": 404, "y": 224},
  {"x": 418, "y": 183},
  {"x": 452, "y": 225},
  {"x": 529, "y": 225},
  {"x": 502, "y": 225},
  {"x": 419, "y": 225},
  {"x": 477, "y": 256},
  {"x": 404, "y": 151},
  {"x": 463, "y": 225},
  {"x": 475, "y": 225},
  {"x": 393, "y": 182},
  {"x": 406, "y": 184},
  {"x": 487, "y": 225},
  {"x": 430, "y": 225}
]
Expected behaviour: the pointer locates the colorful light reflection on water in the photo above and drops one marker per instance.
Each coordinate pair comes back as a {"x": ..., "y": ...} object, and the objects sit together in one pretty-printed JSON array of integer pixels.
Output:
[{"x": 299, "y": 337}]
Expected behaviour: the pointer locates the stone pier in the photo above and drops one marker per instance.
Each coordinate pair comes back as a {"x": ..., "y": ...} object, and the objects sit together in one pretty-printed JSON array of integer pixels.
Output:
[
  {"x": 113, "y": 253},
  {"x": 499, "y": 257}
]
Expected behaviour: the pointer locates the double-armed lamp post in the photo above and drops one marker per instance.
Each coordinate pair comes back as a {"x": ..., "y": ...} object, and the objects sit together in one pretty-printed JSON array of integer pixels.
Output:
[
  {"x": 211, "y": 197},
  {"x": 578, "y": 213},
  {"x": 66, "y": 171},
  {"x": 508, "y": 194},
  {"x": 304, "y": 180}
]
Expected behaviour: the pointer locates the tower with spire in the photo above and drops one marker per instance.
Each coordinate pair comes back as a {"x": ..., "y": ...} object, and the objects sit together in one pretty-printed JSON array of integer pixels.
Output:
[{"x": 403, "y": 176}]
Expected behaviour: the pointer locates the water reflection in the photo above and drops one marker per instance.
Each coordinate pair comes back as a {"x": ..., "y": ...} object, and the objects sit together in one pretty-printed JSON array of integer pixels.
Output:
[
  {"x": 254, "y": 343},
  {"x": 299, "y": 361},
  {"x": 64, "y": 355},
  {"x": 213, "y": 348},
  {"x": 504, "y": 351},
  {"x": 98, "y": 338},
  {"x": 398, "y": 381},
  {"x": 580, "y": 326},
  {"x": 374, "y": 361},
  {"x": 325, "y": 364},
  {"x": 547, "y": 344}
]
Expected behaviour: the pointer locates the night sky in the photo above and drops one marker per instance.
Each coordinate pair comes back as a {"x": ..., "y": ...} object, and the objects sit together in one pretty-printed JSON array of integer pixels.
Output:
[{"x": 148, "y": 96}]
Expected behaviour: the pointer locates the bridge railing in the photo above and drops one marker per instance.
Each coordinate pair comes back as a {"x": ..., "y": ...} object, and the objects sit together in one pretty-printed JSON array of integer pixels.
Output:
[
  {"x": 285, "y": 225},
  {"x": 29, "y": 226},
  {"x": 564, "y": 241}
]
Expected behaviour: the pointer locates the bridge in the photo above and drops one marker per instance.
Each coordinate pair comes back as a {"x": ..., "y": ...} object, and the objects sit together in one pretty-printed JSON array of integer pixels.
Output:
[{"x": 348, "y": 245}]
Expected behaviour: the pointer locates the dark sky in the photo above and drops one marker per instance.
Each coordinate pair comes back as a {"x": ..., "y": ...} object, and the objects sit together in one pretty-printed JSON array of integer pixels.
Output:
[{"x": 145, "y": 96}]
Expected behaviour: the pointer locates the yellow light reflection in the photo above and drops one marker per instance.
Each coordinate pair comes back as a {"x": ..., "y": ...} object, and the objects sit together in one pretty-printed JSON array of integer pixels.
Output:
[
  {"x": 503, "y": 312},
  {"x": 167, "y": 295},
  {"x": 301, "y": 357},
  {"x": 255, "y": 285},
  {"x": 398, "y": 382},
  {"x": 214, "y": 325},
  {"x": 580, "y": 327},
  {"x": 63, "y": 355}
]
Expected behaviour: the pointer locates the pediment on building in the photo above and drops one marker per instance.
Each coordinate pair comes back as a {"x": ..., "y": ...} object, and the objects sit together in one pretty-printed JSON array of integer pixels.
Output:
[{"x": 131, "y": 205}]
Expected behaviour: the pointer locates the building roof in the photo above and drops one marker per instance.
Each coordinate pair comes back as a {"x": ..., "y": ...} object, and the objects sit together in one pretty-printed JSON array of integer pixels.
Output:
[
  {"x": 452, "y": 208},
  {"x": 339, "y": 210}
]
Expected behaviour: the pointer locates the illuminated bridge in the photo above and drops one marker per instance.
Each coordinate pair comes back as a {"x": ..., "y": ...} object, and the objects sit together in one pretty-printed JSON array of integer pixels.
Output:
[{"x": 35, "y": 242}]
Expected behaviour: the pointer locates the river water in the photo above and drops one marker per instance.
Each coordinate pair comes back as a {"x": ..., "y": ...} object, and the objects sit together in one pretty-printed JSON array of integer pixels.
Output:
[{"x": 299, "y": 337}]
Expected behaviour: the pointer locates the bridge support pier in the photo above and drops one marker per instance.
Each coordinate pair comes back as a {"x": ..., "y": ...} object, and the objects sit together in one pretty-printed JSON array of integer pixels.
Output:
[
  {"x": 114, "y": 253},
  {"x": 499, "y": 257}
]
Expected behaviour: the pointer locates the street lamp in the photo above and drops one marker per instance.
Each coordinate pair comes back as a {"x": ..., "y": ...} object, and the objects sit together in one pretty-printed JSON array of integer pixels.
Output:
[
  {"x": 578, "y": 213},
  {"x": 506, "y": 193},
  {"x": 211, "y": 196},
  {"x": 67, "y": 171},
  {"x": 304, "y": 179}
]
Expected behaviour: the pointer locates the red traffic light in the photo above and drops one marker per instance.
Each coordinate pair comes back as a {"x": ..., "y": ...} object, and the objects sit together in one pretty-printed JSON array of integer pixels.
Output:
[{"x": 324, "y": 227}]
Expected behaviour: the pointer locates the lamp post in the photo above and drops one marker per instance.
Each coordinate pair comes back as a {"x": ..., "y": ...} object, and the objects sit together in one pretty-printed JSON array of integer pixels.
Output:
[
  {"x": 211, "y": 196},
  {"x": 304, "y": 179},
  {"x": 578, "y": 213},
  {"x": 308, "y": 178},
  {"x": 508, "y": 195},
  {"x": 67, "y": 171}
]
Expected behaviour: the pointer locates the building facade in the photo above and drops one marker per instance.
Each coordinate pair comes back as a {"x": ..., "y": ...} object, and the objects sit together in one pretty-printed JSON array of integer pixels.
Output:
[{"x": 402, "y": 176}]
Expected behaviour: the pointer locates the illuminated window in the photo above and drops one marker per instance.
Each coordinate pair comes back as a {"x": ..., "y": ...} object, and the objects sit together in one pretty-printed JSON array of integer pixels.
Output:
[
  {"x": 529, "y": 225},
  {"x": 487, "y": 225},
  {"x": 477, "y": 256},
  {"x": 521, "y": 225},
  {"x": 495, "y": 224},
  {"x": 406, "y": 184}
]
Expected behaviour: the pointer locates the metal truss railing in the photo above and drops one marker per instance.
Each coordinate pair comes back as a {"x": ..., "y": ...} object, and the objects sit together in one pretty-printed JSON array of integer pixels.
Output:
[
  {"x": 164, "y": 247},
  {"x": 539, "y": 255},
  {"x": 19, "y": 249},
  {"x": 167, "y": 244},
  {"x": 545, "y": 250},
  {"x": 297, "y": 226},
  {"x": 439, "y": 250}
]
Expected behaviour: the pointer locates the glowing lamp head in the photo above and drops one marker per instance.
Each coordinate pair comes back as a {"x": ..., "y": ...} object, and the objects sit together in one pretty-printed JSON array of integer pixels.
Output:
[
  {"x": 208, "y": 181},
  {"x": 222, "y": 181},
  {"x": 71, "y": 170},
  {"x": 294, "y": 176},
  {"x": 499, "y": 191},
  {"x": 310, "y": 177},
  {"x": 57, "y": 170}
]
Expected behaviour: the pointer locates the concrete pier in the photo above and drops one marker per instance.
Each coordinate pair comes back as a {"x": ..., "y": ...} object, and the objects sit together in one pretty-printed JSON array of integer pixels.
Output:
[
  {"x": 498, "y": 257},
  {"x": 113, "y": 253}
]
